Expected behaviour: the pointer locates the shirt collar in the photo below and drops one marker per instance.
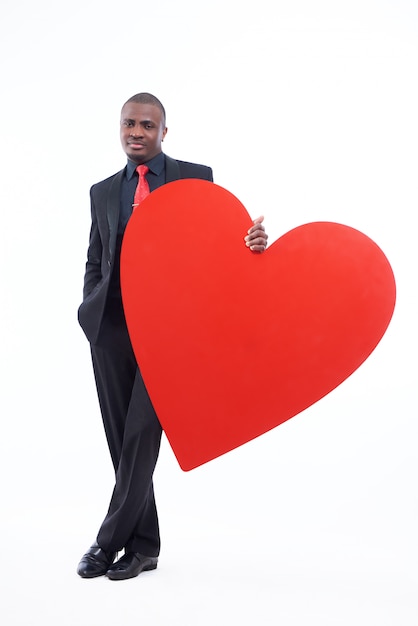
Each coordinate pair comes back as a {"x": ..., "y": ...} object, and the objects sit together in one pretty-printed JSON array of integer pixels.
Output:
[{"x": 156, "y": 166}]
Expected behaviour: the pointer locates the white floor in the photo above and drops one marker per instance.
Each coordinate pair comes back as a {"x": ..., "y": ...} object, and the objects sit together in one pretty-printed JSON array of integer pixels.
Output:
[
  {"x": 274, "y": 544},
  {"x": 201, "y": 586}
]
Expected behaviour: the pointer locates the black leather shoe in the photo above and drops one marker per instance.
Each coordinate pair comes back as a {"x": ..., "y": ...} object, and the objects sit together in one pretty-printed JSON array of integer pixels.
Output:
[
  {"x": 95, "y": 562},
  {"x": 130, "y": 565}
]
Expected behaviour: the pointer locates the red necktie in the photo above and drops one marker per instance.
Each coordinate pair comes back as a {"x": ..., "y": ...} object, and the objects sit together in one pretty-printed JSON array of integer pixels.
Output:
[{"x": 142, "y": 188}]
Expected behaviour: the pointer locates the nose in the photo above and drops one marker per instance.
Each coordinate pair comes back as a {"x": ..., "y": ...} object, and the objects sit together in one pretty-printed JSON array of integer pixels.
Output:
[{"x": 136, "y": 131}]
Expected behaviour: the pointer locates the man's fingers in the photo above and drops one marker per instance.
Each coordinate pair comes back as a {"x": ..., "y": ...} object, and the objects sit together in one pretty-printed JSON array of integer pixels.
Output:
[{"x": 256, "y": 238}]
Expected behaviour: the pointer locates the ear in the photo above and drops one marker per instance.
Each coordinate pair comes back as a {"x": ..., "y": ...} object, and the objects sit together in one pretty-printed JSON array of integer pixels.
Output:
[{"x": 164, "y": 133}]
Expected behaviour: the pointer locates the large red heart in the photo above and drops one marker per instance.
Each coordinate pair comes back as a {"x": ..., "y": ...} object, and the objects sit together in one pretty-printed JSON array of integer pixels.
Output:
[{"x": 232, "y": 343}]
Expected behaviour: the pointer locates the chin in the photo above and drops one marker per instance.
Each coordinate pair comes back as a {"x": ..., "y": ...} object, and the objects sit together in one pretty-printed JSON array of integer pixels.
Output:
[{"x": 136, "y": 158}]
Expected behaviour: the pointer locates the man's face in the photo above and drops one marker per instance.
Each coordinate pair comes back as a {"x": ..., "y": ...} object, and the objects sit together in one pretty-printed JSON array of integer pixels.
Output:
[{"x": 141, "y": 131}]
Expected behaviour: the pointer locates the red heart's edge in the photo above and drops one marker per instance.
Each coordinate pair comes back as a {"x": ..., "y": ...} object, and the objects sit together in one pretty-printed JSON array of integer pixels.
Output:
[{"x": 328, "y": 294}]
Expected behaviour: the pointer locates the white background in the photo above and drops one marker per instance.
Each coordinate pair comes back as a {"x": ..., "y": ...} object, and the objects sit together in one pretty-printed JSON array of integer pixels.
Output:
[{"x": 315, "y": 522}]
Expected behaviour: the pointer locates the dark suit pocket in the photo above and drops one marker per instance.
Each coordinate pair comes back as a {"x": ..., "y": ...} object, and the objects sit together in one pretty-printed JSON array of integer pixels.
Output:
[{"x": 90, "y": 311}]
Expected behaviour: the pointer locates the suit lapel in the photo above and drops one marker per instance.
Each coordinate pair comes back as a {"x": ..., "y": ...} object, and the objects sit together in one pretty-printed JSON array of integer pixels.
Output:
[
  {"x": 113, "y": 209},
  {"x": 172, "y": 170}
]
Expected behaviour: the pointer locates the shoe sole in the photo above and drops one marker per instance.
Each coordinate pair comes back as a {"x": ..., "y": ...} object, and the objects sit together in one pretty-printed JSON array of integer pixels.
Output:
[
  {"x": 122, "y": 575},
  {"x": 95, "y": 575}
]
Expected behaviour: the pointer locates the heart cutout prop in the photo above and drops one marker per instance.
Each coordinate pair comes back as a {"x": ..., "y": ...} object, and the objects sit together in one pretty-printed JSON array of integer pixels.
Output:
[{"x": 232, "y": 343}]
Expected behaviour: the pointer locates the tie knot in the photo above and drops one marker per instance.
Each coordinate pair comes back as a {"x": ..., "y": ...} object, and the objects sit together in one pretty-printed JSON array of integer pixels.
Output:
[{"x": 142, "y": 170}]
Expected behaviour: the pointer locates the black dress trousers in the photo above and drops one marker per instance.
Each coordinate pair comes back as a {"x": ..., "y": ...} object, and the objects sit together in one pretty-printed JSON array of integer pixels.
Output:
[{"x": 133, "y": 434}]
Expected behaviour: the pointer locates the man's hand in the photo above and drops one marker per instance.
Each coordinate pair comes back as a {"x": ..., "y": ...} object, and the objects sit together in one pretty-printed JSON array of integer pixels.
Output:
[{"x": 256, "y": 238}]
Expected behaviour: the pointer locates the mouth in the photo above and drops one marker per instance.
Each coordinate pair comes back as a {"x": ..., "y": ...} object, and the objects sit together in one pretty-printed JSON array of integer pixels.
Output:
[{"x": 136, "y": 144}]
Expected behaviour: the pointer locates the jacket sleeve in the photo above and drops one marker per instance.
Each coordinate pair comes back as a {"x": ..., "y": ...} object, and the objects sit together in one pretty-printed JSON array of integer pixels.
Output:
[{"x": 93, "y": 273}]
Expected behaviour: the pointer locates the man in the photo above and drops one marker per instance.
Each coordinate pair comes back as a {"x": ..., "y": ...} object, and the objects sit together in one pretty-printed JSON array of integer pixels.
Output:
[{"x": 132, "y": 428}]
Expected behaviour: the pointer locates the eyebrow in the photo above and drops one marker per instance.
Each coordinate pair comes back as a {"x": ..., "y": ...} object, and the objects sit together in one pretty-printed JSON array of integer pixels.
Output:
[{"x": 129, "y": 119}]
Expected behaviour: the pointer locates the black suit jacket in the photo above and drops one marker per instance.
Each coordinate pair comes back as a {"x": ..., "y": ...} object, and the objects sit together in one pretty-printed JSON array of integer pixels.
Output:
[{"x": 105, "y": 207}]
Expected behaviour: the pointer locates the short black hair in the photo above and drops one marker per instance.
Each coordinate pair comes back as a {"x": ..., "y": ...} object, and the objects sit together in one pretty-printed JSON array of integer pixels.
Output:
[{"x": 148, "y": 98}]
